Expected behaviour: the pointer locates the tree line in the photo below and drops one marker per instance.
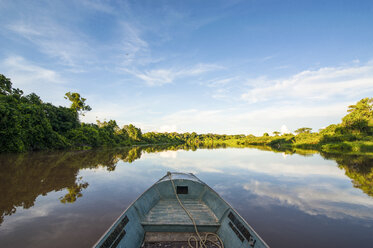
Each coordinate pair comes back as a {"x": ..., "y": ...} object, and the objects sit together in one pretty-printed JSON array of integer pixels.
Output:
[{"x": 28, "y": 124}]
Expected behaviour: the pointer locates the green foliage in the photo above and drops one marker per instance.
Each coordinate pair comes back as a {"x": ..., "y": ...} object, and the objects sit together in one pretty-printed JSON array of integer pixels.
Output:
[
  {"x": 303, "y": 130},
  {"x": 360, "y": 116},
  {"x": 330, "y": 130},
  {"x": 358, "y": 168},
  {"x": 74, "y": 192},
  {"x": 276, "y": 133},
  {"x": 6, "y": 87},
  {"x": 23, "y": 177},
  {"x": 336, "y": 147},
  {"x": 77, "y": 102},
  {"x": 27, "y": 124},
  {"x": 133, "y": 132}
]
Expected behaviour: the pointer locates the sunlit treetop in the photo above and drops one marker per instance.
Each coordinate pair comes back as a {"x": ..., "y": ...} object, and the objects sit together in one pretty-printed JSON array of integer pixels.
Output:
[
  {"x": 360, "y": 115},
  {"x": 77, "y": 102}
]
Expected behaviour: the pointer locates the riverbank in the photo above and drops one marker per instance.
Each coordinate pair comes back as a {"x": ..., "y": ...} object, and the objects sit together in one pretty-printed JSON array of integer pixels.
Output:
[
  {"x": 345, "y": 147},
  {"x": 29, "y": 124},
  {"x": 290, "y": 142}
]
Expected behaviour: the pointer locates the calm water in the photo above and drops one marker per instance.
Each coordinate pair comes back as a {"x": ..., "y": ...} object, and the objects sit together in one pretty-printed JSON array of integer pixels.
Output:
[{"x": 60, "y": 199}]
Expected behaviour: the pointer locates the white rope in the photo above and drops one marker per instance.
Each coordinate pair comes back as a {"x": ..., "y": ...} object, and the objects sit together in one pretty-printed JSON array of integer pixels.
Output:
[{"x": 200, "y": 242}]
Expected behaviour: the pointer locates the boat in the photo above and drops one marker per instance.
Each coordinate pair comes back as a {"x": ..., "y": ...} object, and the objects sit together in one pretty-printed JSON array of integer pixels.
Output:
[{"x": 180, "y": 210}]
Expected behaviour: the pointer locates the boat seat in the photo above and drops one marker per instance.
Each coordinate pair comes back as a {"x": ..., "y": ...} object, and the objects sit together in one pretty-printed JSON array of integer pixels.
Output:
[
  {"x": 168, "y": 216},
  {"x": 173, "y": 239}
]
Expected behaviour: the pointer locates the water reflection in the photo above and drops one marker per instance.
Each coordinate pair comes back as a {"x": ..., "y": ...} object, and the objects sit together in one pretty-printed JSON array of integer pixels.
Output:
[
  {"x": 257, "y": 182},
  {"x": 23, "y": 177},
  {"x": 358, "y": 168}
]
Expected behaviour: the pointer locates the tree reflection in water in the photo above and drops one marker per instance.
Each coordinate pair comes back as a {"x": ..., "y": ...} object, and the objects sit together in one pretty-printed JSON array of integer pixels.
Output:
[
  {"x": 23, "y": 177},
  {"x": 358, "y": 168},
  {"x": 74, "y": 192}
]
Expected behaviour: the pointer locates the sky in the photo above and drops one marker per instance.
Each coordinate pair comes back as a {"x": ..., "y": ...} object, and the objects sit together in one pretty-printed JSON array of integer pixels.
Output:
[{"x": 227, "y": 67}]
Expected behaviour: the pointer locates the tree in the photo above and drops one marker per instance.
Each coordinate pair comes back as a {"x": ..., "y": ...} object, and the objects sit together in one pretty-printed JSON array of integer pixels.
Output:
[
  {"x": 77, "y": 102},
  {"x": 265, "y": 134},
  {"x": 276, "y": 133},
  {"x": 360, "y": 115},
  {"x": 330, "y": 130},
  {"x": 303, "y": 130},
  {"x": 133, "y": 132},
  {"x": 6, "y": 87},
  {"x": 33, "y": 99}
]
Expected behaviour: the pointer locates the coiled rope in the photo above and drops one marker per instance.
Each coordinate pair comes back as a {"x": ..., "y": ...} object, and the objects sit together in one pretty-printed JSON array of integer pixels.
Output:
[{"x": 199, "y": 241}]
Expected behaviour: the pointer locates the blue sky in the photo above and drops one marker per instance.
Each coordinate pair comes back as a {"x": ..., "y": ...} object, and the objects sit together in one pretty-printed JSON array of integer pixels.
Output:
[{"x": 206, "y": 66}]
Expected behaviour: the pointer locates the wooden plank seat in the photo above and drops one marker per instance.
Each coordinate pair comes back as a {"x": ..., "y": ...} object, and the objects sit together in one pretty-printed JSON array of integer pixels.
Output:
[
  {"x": 172, "y": 240},
  {"x": 168, "y": 215}
]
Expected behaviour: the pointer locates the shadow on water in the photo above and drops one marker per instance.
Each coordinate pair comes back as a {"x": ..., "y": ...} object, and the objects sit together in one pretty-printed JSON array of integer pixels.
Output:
[{"x": 23, "y": 177}]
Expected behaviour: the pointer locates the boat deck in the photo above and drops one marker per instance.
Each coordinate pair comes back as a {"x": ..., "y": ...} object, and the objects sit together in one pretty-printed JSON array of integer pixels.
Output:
[
  {"x": 156, "y": 219},
  {"x": 174, "y": 244},
  {"x": 173, "y": 240},
  {"x": 169, "y": 212}
]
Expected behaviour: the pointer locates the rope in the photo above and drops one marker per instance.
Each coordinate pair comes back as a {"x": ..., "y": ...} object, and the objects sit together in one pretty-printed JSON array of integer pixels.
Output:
[{"x": 200, "y": 242}]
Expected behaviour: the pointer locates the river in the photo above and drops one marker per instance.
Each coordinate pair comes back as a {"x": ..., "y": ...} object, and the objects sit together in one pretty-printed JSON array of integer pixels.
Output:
[{"x": 68, "y": 199}]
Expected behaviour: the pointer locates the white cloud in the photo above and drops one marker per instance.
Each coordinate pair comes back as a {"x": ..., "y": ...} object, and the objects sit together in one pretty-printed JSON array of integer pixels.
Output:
[
  {"x": 159, "y": 77},
  {"x": 104, "y": 110},
  {"x": 168, "y": 128},
  {"x": 254, "y": 121},
  {"x": 54, "y": 40},
  {"x": 322, "y": 84},
  {"x": 98, "y": 5},
  {"x": 78, "y": 49},
  {"x": 192, "y": 117},
  {"x": 25, "y": 73},
  {"x": 247, "y": 161},
  {"x": 221, "y": 94},
  {"x": 288, "y": 169},
  {"x": 286, "y": 111},
  {"x": 323, "y": 199},
  {"x": 132, "y": 47},
  {"x": 168, "y": 154},
  {"x": 220, "y": 82},
  {"x": 284, "y": 129},
  {"x": 29, "y": 77}
]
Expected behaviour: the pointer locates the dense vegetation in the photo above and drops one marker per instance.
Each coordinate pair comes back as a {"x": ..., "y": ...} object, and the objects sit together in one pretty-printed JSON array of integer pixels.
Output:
[
  {"x": 28, "y": 124},
  {"x": 353, "y": 135}
]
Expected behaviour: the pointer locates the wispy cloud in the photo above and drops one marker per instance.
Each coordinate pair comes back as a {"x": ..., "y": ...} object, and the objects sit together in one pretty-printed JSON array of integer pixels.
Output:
[
  {"x": 315, "y": 200},
  {"x": 56, "y": 41},
  {"x": 98, "y": 5},
  {"x": 26, "y": 73},
  {"x": 321, "y": 84},
  {"x": 254, "y": 121},
  {"x": 133, "y": 48},
  {"x": 34, "y": 78},
  {"x": 219, "y": 82},
  {"x": 160, "y": 77}
]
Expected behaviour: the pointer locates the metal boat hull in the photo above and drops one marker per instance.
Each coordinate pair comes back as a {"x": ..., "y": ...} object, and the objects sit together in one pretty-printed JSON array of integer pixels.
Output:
[{"x": 157, "y": 212}]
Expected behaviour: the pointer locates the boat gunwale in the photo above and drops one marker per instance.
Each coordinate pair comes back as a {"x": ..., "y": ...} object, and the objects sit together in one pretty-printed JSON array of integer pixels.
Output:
[
  {"x": 234, "y": 210},
  {"x": 198, "y": 180},
  {"x": 120, "y": 216}
]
